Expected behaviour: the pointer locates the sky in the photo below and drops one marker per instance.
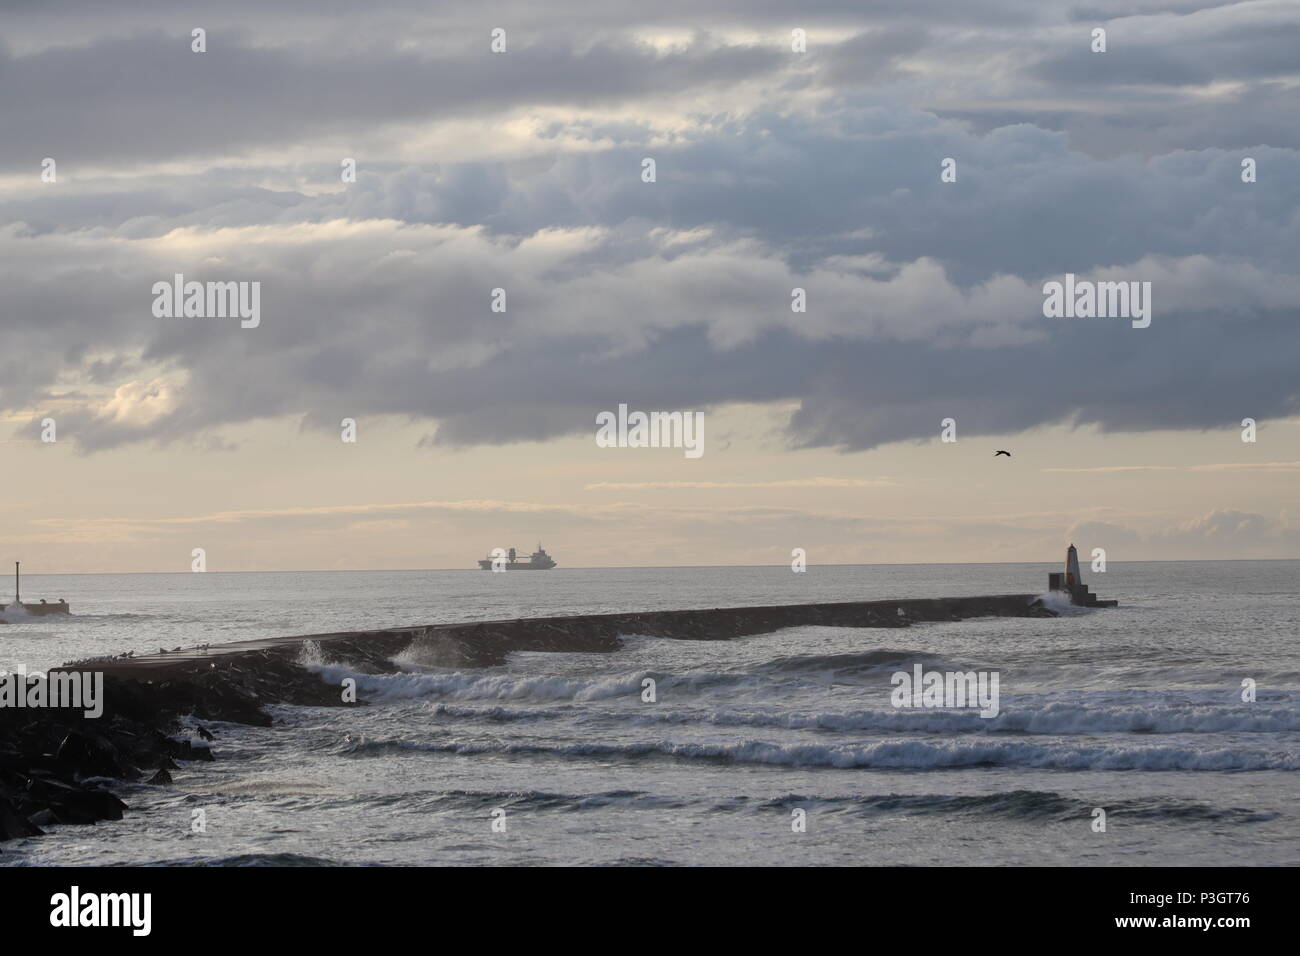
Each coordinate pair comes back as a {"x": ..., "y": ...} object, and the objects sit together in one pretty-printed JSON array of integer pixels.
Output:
[{"x": 774, "y": 169}]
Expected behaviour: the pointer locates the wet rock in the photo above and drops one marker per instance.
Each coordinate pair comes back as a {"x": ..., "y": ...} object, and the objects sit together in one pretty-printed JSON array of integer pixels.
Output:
[
  {"x": 90, "y": 755},
  {"x": 87, "y": 806},
  {"x": 42, "y": 818},
  {"x": 190, "y": 752},
  {"x": 51, "y": 760},
  {"x": 14, "y": 825}
]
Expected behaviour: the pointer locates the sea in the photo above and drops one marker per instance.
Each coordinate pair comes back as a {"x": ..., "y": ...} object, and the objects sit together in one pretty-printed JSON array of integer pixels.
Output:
[{"x": 1165, "y": 731}]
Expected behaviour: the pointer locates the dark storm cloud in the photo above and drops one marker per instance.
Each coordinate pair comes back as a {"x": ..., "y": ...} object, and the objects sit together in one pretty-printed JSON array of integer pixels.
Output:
[
  {"x": 1024, "y": 204},
  {"x": 1246, "y": 118},
  {"x": 148, "y": 97},
  {"x": 137, "y": 94},
  {"x": 1184, "y": 375},
  {"x": 924, "y": 297},
  {"x": 1235, "y": 52},
  {"x": 872, "y": 55},
  {"x": 35, "y": 21}
]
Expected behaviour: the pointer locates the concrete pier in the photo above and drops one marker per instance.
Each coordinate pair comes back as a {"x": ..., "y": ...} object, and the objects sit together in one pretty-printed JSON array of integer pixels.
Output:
[
  {"x": 44, "y": 608},
  {"x": 486, "y": 643},
  {"x": 36, "y": 610}
]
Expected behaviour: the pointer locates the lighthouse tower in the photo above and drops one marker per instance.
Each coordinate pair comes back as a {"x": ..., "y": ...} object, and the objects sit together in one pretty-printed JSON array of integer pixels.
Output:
[
  {"x": 1073, "y": 579},
  {"x": 1071, "y": 582}
]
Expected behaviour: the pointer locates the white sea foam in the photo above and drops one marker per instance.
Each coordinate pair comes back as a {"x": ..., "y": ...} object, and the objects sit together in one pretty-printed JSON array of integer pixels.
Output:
[
  {"x": 16, "y": 613},
  {"x": 1059, "y": 602},
  {"x": 311, "y": 656},
  {"x": 461, "y": 686},
  {"x": 1138, "y": 712}
]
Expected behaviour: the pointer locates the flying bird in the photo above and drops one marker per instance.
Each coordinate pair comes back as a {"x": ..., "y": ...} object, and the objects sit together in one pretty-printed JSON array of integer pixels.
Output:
[{"x": 1001, "y": 452}]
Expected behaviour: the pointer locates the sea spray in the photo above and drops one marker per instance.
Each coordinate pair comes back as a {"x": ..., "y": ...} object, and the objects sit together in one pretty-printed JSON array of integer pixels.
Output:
[
  {"x": 311, "y": 656},
  {"x": 16, "y": 613}
]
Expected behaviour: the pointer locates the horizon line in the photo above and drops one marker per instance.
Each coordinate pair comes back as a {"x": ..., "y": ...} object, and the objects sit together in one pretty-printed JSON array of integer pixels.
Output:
[{"x": 658, "y": 567}]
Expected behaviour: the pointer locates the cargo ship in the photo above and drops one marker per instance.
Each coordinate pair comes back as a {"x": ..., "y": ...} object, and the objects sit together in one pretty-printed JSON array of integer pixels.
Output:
[{"x": 539, "y": 560}]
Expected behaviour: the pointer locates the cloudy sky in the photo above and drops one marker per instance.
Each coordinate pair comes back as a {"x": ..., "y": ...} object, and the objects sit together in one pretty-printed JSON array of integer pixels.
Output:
[{"x": 523, "y": 170}]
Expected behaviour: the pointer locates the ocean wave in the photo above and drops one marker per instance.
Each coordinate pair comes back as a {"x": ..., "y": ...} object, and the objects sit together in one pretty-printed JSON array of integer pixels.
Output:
[
  {"x": 1017, "y": 804},
  {"x": 539, "y": 800},
  {"x": 1060, "y": 602},
  {"x": 847, "y": 665},
  {"x": 458, "y": 685},
  {"x": 1022, "y": 804},
  {"x": 1055, "y": 718},
  {"x": 251, "y": 859},
  {"x": 467, "y": 686},
  {"x": 504, "y": 714},
  {"x": 896, "y": 755},
  {"x": 16, "y": 614},
  {"x": 1048, "y": 719},
  {"x": 750, "y": 701}
]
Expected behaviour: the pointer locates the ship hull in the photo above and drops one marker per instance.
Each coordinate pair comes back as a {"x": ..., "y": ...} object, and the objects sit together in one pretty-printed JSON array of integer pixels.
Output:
[{"x": 486, "y": 565}]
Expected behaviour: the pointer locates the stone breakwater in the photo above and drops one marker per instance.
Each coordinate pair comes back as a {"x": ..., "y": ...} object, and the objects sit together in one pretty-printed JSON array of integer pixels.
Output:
[{"x": 54, "y": 763}]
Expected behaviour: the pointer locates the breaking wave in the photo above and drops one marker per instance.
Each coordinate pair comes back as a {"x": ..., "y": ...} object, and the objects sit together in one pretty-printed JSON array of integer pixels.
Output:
[
  {"x": 467, "y": 686},
  {"x": 1050, "y": 719},
  {"x": 907, "y": 755},
  {"x": 847, "y": 665},
  {"x": 1018, "y": 804},
  {"x": 1059, "y": 602},
  {"x": 15, "y": 614},
  {"x": 458, "y": 685}
]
